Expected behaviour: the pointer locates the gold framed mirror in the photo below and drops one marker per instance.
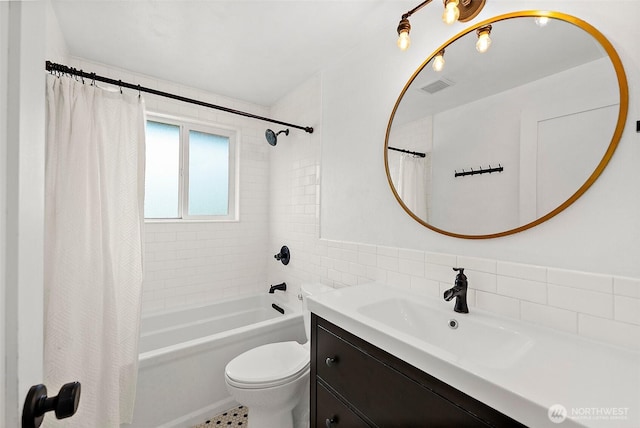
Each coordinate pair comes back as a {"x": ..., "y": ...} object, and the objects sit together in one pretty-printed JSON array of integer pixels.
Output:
[{"x": 510, "y": 137}]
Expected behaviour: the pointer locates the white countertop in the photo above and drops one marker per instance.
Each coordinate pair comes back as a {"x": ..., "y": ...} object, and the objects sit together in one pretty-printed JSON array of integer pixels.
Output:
[{"x": 598, "y": 385}]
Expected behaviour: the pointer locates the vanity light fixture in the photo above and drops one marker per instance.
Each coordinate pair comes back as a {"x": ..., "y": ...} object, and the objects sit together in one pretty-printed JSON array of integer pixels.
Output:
[
  {"x": 438, "y": 61},
  {"x": 454, "y": 10},
  {"x": 484, "y": 41}
]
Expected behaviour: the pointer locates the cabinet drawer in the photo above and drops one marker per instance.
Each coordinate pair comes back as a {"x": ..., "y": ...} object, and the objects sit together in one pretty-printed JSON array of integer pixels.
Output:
[
  {"x": 385, "y": 395},
  {"x": 332, "y": 413}
]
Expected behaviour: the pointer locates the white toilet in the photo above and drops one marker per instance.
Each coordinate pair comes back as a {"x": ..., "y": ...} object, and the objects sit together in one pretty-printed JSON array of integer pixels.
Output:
[{"x": 272, "y": 379}]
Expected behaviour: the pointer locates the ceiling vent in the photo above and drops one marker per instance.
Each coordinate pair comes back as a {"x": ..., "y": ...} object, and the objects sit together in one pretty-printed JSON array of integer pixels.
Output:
[{"x": 437, "y": 86}]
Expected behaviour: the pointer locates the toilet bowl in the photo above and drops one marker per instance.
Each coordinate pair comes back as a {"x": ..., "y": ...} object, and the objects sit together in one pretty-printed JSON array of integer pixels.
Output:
[{"x": 272, "y": 379}]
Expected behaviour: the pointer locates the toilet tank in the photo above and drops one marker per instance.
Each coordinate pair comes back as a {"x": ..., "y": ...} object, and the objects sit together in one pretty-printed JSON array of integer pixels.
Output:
[{"x": 309, "y": 289}]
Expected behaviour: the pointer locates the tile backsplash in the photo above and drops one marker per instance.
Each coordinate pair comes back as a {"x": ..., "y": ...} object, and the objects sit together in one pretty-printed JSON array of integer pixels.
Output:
[{"x": 600, "y": 307}]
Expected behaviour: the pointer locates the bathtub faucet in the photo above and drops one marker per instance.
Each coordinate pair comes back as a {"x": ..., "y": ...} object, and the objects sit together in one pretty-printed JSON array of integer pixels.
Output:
[{"x": 282, "y": 287}]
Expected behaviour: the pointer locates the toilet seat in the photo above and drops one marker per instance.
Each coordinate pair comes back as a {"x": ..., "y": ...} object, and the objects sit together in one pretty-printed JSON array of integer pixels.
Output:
[{"x": 269, "y": 365}]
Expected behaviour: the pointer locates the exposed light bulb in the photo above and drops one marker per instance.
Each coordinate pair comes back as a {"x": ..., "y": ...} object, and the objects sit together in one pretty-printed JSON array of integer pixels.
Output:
[
  {"x": 484, "y": 41},
  {"x": 541, "y": 21},
  {"x": 438, "y": 61},
  {"x": 404, "y": 41},
  {"x": 451, "y": 12}
]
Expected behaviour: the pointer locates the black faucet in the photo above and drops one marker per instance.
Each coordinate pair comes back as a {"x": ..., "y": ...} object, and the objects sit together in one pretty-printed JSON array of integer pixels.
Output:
[
  {"x": 459, "y": 291},
  {"x": 282, "y": 287}
]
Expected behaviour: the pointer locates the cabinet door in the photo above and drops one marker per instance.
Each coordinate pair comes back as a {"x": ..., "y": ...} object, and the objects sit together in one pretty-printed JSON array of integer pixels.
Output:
[
  {"x": 333, "y": 413},
  {"x": 386, "y": 396}
]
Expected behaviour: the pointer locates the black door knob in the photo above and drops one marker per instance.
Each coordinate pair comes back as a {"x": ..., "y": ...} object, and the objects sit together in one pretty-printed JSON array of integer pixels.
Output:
[{"x": 37, "y": 403}]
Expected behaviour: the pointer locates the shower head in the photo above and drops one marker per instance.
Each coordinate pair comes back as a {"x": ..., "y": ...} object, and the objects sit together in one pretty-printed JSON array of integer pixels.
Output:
[{"x": 272, "y": 137}]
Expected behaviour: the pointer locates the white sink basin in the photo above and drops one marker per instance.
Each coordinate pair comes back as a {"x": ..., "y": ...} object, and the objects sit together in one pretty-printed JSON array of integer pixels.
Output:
[
  {"x": 517, "y": 368},
  {"x": 474, "y": 341}
]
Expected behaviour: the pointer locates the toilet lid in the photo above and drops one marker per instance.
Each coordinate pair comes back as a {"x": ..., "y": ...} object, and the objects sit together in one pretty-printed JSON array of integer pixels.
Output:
[{"x": 269, "y": 365}]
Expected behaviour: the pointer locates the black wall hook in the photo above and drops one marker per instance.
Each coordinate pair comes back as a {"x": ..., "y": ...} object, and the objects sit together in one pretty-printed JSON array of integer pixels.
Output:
[
  {"x": 284, "y": 256},
  {"x": 489, "y": 170}
]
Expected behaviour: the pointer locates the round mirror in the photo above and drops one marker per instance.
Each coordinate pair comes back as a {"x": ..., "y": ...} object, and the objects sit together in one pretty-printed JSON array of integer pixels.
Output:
[{"x": 497, "y": 142}]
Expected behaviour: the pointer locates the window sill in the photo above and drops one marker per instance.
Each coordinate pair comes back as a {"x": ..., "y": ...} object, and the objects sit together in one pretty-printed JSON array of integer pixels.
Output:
[{"x": 182, "y": 220}]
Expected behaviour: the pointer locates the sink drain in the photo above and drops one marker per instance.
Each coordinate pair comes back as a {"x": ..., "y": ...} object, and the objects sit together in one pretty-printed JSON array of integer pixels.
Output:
[{"x": 453, "y": 324}]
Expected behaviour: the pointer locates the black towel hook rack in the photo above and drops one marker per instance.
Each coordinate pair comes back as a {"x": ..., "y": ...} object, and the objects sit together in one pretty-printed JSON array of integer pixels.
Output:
[{"x": 489, "y": 170}]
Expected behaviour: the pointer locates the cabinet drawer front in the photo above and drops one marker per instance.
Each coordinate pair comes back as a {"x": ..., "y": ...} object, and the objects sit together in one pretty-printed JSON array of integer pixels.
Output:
[
  {"x": 398, "y": 401},
  {"x": 331, "y": 412}
]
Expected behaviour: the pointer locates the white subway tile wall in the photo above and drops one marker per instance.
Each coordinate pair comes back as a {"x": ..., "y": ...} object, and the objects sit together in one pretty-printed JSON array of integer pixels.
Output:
[
  {"x": 188, "y": 263},
  {"x": 280, "y": 190},
  {"x": 601, "y": 307},
  {"x": 612, "y": 317}
]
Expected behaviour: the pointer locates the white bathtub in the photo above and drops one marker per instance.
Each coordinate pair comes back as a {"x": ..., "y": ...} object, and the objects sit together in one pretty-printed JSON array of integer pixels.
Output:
[{"x": 183, "y": 355}]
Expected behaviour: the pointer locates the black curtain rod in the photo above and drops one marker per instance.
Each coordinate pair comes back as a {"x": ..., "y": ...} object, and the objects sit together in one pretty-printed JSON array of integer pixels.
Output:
[
  {"x": 408, "y": 151},
  {"x": 59, "y": 68}
]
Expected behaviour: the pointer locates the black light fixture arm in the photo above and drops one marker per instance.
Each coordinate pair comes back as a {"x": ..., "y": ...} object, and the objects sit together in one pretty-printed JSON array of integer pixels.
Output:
[
  {"x": 415, "y": 9},
  {"x": 63, "y": 69}
]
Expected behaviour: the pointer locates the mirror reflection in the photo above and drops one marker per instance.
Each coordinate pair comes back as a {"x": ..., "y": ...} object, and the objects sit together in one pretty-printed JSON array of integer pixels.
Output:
[{"x": 510, "y": 136}]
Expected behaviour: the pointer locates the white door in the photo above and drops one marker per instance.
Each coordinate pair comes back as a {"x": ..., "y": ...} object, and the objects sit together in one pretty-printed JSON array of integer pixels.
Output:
[
  {"x": 22, "y": 130},
  {"x": 4, "y": 34}
]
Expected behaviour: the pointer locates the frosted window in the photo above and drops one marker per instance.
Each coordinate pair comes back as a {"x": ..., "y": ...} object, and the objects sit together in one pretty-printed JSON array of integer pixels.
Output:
[
  {"x": 162, "y": 173},
  {"x": 190, "y": 171},
  {"x": 208, "y": 174}
]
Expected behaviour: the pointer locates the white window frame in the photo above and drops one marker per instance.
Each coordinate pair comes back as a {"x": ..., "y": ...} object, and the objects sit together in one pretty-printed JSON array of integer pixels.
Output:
[{"x": 185, "y": 126}]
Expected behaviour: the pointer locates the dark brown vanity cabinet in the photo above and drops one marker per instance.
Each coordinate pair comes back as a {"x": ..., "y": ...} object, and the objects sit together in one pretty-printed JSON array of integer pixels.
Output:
[{"x": 355, "y": 384}]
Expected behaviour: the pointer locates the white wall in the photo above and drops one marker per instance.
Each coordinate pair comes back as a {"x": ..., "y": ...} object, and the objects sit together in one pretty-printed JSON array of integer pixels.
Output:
[
  {"x": 416, "y": 136},
  {"x": 598, "y": 306},
  {"x": 195, "y": 262},
  {"x": 294, "y": 186},
  {"x": 189, "y": 263},
  {"x": 576, "y": 273},
  {"x": 493, "y": 134},
  {"x": 599, "y": 233},
  {"x": 56, "y": 47}
]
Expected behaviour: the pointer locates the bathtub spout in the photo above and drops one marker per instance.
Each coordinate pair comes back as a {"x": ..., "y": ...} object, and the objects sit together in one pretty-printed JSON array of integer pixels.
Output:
[{"x": 282, "y": 287}]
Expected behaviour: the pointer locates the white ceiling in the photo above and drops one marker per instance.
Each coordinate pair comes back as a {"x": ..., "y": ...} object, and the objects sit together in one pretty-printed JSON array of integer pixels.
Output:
[
  {"x": 256, "y": 51},
  {"x": 521, "y": 52}
]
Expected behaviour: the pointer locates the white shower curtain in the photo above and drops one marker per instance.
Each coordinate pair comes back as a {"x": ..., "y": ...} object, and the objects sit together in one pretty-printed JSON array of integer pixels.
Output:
[
  {"x": 412, "y": 182},
  {"x": 93, "y": 248}
]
